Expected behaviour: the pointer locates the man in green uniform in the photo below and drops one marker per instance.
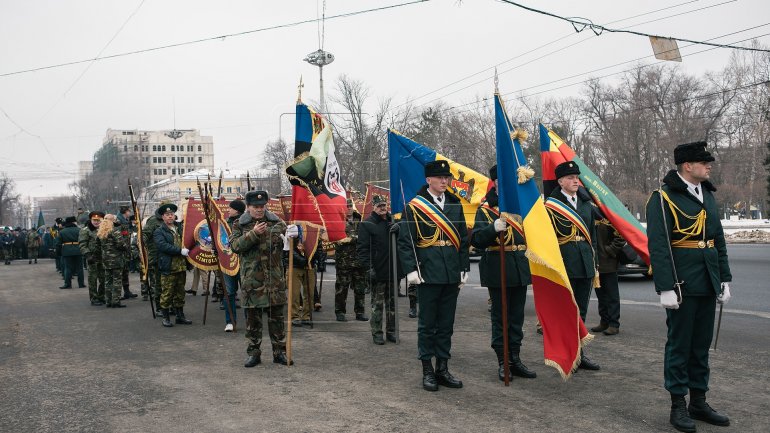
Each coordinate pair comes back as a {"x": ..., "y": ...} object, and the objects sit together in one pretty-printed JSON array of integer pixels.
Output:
[
  {"x": 152, "y": 288},
  {"x": 350, "y": 273},
  {"x": 433, "y": 247},
  {"x": 691, "y": 273},
  {"x": 259, "y": 237},
  {"x": 572, "y": 215},
  {"x": 89, "y": 247},
  {"x": 485, "y": 236},
  {"x": 34, "y": 240},
  {"x": 171, "y": 264},
  {"x": 69, "y": 250}
]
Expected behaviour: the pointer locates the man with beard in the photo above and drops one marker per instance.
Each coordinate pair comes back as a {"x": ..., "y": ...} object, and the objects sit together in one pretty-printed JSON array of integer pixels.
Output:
[
  {"x": 433, "y": 247},
  {"x": 260, "y": 238},
  {"x": 89, "y": 247}
]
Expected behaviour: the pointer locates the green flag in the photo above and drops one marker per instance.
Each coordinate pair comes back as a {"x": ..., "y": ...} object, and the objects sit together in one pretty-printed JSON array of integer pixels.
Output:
[{"x": 40, "y": 220}]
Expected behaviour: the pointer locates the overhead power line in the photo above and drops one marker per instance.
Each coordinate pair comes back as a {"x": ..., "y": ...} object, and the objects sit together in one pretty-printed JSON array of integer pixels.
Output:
[
  {"x": 215, "y": 38},
  {"x": 581, "y": 24}
]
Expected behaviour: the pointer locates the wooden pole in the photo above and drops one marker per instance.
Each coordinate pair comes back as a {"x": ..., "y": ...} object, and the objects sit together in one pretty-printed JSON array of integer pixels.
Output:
[
  {"x": 290, "y": 277},
  {"x": 504, "y": 309}
]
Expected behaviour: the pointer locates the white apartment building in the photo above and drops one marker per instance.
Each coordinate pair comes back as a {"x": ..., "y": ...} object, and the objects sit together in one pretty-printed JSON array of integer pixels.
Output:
[{"x": 165, "y": 153}]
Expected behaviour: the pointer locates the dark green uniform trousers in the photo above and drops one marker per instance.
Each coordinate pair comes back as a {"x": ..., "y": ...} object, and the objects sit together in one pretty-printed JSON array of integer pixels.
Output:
[
  {"x": 581, "y": 287},
  {"x": 436, "y": 320},
  {"x": 690, "y": 329},
  {"x": 516, "y": 297}
]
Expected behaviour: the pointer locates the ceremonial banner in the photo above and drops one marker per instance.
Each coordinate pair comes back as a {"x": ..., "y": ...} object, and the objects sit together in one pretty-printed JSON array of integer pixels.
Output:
[
  {"x": 318, "y": 195},
  {"x": 407, "y": 161},
  {"x": 229, "y": 262},
  {"x": 40, "y": 220},
  {"x": 274, "y": 206},
  {"x": 554, "y": 151},
  {"x": 563, "y": 330},
  {"x": 371, "y": 191},
  {"x": 196, "y": 235}
]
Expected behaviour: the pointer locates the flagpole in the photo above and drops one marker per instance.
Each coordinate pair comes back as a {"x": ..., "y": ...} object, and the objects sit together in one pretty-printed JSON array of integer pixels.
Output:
[
  {"x": 290, "y": 277},
  {"x": 504, "y": 309}
]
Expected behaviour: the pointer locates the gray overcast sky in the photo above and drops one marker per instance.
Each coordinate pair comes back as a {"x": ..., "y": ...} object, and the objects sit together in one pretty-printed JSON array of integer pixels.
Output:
[{"x": 235, "y": 89}]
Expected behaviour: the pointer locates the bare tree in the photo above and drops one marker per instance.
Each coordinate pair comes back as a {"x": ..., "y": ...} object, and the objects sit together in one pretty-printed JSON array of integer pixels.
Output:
[
  {"x": 275, "y": 159},
  {"x": 8, "y": 198}
]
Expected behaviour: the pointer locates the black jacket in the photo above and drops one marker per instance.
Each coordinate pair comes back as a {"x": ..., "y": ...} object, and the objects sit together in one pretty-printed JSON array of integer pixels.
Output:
[
  {"x": 373, "y": 246},
  {"x": 164, "y": 243}
]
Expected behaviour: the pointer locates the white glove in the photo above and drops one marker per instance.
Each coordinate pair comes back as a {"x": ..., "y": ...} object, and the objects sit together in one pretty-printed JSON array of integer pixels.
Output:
[
  {"x": 285, "y": 242},
  {"x": 292, "y": 231},
  {"x": 725, "y": 295},
  {"x": 413, "y": 278},
  {"x": 668, "y": 300},
  {"x": 185, "y": 252},
  {"x": 500, "y": 225},
  {"x": 463, "y": 279}
]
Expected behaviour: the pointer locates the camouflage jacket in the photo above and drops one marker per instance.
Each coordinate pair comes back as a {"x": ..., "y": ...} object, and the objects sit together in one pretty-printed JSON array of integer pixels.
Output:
[
  {"x": 262, "y": 273},
  {"x": 113, "y": 249},
  {"x": 33, "y": 239},
  {"x": 153, "y": 222},
  {"x": 345, "y": 256},
  {"x": 89, "y": 244}
]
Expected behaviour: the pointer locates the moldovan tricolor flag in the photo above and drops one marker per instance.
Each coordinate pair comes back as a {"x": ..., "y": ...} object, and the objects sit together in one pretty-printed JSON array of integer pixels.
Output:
[
  {"x": 407, "y": 160},
  {"x": 318, "y": 195},
  {"x": 554, "y": 151},
  {"x": 563, "y": 330}
]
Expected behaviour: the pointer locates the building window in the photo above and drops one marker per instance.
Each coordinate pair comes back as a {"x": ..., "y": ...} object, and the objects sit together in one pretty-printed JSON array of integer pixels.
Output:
[
  {"x": 125, "y": 148},
  {"x": 154, "y": 148},
  {"x": 164, "y": 171},
  {"x": 229, "y": 189},
  {"x": 173, "y": 171},
  {"x": 164, "y": 159},
  {"x": 189, "y": 159},
  {"x": 173, "y": 159},
  {"x": 154, "y": 159},
  {"x": 238, "y": 189},
  {"x": 189, "y": 191},
  {"x": 164, "y": 147},
  {"x": 200, "y": 160},
  {"x": 189, "y": 148},
  {"x": 200, "y": 148},
  {"x": 181, "y": 171},
  {"x": 136, "y": 148}
]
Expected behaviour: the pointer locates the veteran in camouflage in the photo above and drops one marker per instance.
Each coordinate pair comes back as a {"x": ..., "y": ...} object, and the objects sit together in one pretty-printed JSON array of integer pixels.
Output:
[
  {"x": 350, "y": 273},
  {"x": 33, "y": 245},
  {"x": 152, "y": 287},
  {"x": 171, "y": 264},
  {"x": 89, "y": 247},
  {"x": 113, "y": 254},
  {"x": 259, "y": 238}
]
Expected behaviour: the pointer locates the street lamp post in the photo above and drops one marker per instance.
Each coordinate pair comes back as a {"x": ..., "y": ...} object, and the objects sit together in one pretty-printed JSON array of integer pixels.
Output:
[{"x": 320, "y": 58}]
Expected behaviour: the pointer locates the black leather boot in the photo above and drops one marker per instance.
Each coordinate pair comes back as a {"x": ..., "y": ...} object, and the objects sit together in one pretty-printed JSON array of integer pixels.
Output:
[
  {"x": 444, "y": 377},
  {"x": 701, "y": 410},
  {"x": 500, "y": 362},
  {"x": 180, "y": 319},
  {"x": 587, "y": 364},
  {"x": 280, "y": 358},
  {"x": 166, "y": 321},
  {"x": 428, "y": 376},
  {"x": 252, "y": 360},
  {"x": 679, "y": 418},
  {"x": 518, "y": 368}
]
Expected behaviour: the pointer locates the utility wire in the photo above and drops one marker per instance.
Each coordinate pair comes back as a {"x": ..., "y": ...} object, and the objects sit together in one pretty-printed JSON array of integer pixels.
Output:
[
  {"x": 215, "y": 38},
  {"x": 599, "y": 29}
]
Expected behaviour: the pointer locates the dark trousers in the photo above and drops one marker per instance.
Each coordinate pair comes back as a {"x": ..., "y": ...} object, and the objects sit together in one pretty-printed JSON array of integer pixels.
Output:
[
  {"x": 436, "y": 319},
  {"x": 690, "y": 329},
  {"x": 275, "y": 328},
  {"x": 581, "y": 287},
  {"x": 516, "y": 298},
  {"x": 73, "y": 264},
  {"x": 609, "y": 298}
]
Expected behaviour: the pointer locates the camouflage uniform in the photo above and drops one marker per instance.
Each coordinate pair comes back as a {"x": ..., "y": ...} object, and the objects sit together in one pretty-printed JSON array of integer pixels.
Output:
[
  {"x": 153, "y": 274},
  {"x": 90, "y": 248},
  {"x": 113, "y": 251},
  {"x": 350, "y": 273},
  {"x": 263, "y": 283},
  {"x": 172, "y": 265},
  {"x": 6, "y": 242},
  {"x": 33, "y": 245}
]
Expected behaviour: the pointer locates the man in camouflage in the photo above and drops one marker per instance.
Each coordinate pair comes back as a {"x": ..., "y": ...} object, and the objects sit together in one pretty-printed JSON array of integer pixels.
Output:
[
  {"x": 172, "y": 265},
  {"x": 260, "y": 238},
  {"x": 125, "y": 231},
  {"x": 89, "y": 247},
  {"x": 350, "y": 273},
  {"x": 113, "y": 252},
  {"x": 152, "y": 287},
  {"x": 6, "y": 242},
  {"x": 34, "y": 240}
]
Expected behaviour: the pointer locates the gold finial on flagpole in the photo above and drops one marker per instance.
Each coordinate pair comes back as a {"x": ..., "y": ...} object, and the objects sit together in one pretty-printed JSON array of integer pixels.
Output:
[
  {"x": 496, "y": 81},
  {"x": 299, "y": 90}
]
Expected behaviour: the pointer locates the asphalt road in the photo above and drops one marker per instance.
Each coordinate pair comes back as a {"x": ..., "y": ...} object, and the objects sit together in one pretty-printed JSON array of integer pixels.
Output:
[{"x": 66, "y": 366}]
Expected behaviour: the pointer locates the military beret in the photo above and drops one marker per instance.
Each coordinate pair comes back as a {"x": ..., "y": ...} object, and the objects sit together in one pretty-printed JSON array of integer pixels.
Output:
[
  {"x": 168, "y": 207},
  {"x": 238, "y": 205},
  {"x": 70, "y": 220},
  {"x": 256, "y": 198},
  {"x": 98, "y": 213},
  {"x": 378, "y": 199},
  {"x": 692, "y": 152},
  {"x": 438, "y": 167},
  {"x": 493, "y": 172},
  {"x": 566, "y": 169}
]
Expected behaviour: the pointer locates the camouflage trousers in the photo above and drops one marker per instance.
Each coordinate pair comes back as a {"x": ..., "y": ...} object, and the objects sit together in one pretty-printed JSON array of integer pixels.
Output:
[
  {"x": 96, "y": 281},
  {"x": 7, "y": 254},
  {"x": 172, "y": 295},
  {"x": 152, "y": 286},
  {"x": 112, "y": 286},
  {"x": 350, "y": 278},
  {"x": 382, "y": 297},
  {"x": 32, "y": 253},
  {"x": 124, "y": 276},
  {"x": 275, "y": 328}
]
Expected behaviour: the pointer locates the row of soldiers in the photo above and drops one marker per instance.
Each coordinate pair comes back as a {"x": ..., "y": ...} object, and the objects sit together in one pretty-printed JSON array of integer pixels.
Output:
[{"x": 19, "y": 244}]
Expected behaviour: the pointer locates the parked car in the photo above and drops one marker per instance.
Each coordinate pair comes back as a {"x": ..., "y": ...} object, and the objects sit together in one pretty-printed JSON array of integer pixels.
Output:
[{"x": 630, "y": 263}]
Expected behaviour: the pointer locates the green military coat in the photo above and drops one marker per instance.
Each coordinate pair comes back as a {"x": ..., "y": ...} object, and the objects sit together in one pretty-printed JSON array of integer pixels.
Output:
[
  {"x": 438, "y": 264},
  {"x": 68, "y": 241},
  {"x": 153, "y": 222},
  {"x": 579, "y": 258},
  {"x": 484, "y": 237},
  {"x": 262, "y": 275},
  {"x": 702, "y": 269}
]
